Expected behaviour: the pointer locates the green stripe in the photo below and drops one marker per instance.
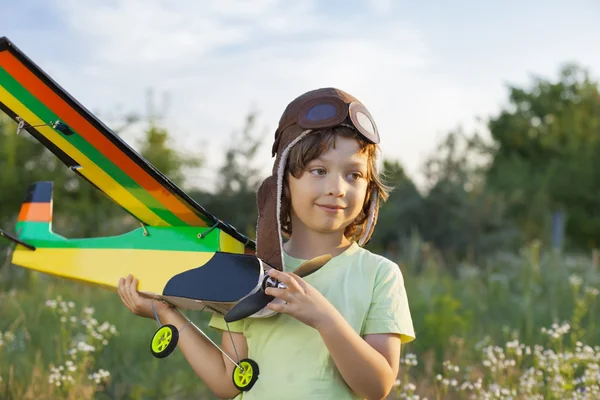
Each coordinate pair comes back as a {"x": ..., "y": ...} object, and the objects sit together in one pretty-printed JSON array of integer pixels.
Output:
[
  {"x": 37, "y": 230},
  {"x": 159, "y": 238},
  {"x": 102, "y": 161}
]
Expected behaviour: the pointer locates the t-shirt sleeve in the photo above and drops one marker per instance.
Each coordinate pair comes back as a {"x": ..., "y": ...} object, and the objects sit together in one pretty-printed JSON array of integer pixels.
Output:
[
  {"x": 389, "y": 311},
  {"x": 217, "y": 321}
]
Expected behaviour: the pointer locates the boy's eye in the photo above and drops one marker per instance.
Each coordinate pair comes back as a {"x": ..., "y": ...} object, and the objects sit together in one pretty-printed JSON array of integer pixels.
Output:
[
  {"x": 355, "y": 175},
  {"x": 318, "y": 171}
]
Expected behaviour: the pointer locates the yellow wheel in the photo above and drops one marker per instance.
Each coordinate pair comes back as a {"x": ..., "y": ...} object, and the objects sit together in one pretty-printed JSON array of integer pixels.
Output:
[
  {"x": 164, "y": 341},
  {"x": 244, "y": 380}
]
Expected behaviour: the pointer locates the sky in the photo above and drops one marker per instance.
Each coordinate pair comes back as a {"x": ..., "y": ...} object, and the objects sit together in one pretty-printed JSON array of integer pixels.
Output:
[{"x": 421, "y": 68}]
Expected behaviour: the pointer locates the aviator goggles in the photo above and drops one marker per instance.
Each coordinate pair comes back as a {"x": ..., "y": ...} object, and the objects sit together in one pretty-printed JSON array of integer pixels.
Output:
[{"x": 329, "y": 111}]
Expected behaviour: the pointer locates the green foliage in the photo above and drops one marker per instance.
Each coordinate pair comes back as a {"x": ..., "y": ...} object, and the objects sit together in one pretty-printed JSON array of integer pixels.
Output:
[
  {"x": 446, "y": 318},
  {"x": 402, "y": 214},
  {"x": 40, "y": 341},
  {"x": 560, "y": 361},
  {"x": 547, "y": 142},
  {"x": 457, "y": 317},
  {"x": 455, "y": 215},
  {"x": 171, "y": 163}
]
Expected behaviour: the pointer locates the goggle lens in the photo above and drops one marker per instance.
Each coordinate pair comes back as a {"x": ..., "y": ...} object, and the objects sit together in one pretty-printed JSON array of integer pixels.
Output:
[
  {"x": 321, "y": 112},
  {"x": 365, "y": 123}
]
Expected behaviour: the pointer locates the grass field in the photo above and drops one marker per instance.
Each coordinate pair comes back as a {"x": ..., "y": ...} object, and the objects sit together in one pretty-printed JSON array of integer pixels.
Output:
[{"x": 521, "y": 326}]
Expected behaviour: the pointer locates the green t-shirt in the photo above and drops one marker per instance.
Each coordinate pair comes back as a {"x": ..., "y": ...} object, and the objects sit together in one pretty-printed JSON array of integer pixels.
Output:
[{"x": 294, "y": 363}]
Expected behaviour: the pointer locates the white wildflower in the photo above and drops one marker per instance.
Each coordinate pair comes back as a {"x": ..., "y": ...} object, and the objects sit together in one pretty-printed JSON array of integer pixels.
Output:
[
  {"x": 575, "y": 280},
  {"x": 9, "y": 336},
  {"x": 592, "y": 291}
]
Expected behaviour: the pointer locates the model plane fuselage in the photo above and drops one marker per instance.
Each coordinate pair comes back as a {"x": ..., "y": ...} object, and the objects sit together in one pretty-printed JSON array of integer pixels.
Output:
[{"x": 191, "y": 267}]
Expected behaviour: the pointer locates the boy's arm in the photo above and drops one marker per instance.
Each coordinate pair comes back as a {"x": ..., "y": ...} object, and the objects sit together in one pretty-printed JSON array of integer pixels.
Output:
[
  {"x": 370, "y": 365},
  {"x": 205, "y": 359},
  {"x": 212, "y": 366}
]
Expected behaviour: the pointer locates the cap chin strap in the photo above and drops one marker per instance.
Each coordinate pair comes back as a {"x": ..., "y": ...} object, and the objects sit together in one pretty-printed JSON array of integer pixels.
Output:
[
  {"x": 366, "y": 235},
  {"x": 280, "y": 171}
]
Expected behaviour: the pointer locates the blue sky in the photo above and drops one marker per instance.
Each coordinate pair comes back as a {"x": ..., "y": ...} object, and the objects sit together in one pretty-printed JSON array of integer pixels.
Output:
[{"x": 422, "y": 68}]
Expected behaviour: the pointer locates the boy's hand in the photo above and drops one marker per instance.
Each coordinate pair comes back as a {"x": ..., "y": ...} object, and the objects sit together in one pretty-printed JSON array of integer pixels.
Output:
[
  {"x": 136, "y": 303},
  {"x": 302, "y": 301}
]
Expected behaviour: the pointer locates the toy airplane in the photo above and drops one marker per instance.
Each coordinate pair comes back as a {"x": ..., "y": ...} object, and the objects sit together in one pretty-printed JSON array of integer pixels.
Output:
[{"x": 181, "y": 254}]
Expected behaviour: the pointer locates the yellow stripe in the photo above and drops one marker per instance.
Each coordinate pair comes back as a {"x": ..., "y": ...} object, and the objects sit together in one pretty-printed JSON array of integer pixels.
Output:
[
  {"x": 228, "y": 244},
  {"x": 89, "y": 169},
  {"x": 152, "y": 268}
]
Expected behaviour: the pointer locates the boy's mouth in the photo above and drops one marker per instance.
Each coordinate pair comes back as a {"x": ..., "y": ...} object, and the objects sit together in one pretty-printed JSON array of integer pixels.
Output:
[{"x": 332, "y": 208}]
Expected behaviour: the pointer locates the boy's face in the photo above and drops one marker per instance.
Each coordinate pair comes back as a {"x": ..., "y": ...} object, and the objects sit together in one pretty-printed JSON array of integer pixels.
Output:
[{"x": 331, "y": 191}]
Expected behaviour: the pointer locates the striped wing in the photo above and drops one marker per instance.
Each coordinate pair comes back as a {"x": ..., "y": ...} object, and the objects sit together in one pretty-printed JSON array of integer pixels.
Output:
[{"x": 92, "y": 150}]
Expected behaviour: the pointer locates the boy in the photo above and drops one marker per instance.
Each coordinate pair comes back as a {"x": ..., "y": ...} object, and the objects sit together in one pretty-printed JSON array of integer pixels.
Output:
[{"x": 337, "y": 332}]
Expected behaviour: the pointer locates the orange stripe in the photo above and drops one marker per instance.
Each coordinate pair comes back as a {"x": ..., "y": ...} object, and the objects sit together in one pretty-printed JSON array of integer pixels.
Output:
[
  {"x": 36, "y": 212},
  {"x": 72, "y": 118}
]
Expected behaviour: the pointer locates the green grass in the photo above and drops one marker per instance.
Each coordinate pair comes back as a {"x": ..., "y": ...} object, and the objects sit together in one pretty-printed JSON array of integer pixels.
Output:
[{"x": 504, "y": 304}]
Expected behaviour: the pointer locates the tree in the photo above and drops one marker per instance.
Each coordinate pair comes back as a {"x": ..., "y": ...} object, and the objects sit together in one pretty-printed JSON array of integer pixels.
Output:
[
  {"x": 401, "y": 215},
  {"x": 155, "y": 146},
  {"x": 234, "y": 200},
  {"x": 462, "y": 219},
  {"x": 546, "y": 147}
]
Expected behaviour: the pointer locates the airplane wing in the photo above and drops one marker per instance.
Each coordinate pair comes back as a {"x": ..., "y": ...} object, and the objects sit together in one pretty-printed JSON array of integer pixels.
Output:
[{"x": 91, "y": 149}]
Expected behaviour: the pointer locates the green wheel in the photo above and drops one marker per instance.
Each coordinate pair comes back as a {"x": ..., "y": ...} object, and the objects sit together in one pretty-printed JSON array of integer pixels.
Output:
[
  {"x": 164, "y": 341},
  {"x": 244, "y": 380}
]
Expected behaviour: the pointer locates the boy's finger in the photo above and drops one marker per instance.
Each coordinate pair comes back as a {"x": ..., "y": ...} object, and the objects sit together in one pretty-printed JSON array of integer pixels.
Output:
[
  {"x": 125, "y": 295},
  {"x": 301, "y": 282},
  {"x": 278, "y": 307},
  {"x": 131, "y": 285},
  {"x": 121, "y": 287},
  {"x": 282, "y": 294},
  {"x": 133, "y": 293},
  {"x": 124, "y": 301},
  {"x": 285, "y": 278}
]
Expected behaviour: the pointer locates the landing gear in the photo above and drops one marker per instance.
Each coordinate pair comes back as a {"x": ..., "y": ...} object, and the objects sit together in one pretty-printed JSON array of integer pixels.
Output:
[{"x": 164, "y": 341}]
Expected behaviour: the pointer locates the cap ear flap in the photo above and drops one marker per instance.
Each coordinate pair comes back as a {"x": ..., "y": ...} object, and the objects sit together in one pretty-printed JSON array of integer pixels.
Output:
[
  {"x": 267, "y": 233},
  {"x": 276, "y": 143}
]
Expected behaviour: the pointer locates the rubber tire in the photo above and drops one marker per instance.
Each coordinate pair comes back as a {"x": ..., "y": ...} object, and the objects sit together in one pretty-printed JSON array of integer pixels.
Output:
[
  {"x": 171, "y": 346},
  {"x": 255, "y": 373}
]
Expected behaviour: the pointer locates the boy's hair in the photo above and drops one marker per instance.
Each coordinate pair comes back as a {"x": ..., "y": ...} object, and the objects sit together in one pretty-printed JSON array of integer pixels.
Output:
[{"x": 310, "y": 148}]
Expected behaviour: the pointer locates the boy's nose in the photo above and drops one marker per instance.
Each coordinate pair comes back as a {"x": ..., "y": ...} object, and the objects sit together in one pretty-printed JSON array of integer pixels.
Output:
[{"x": 335, "y": 185}]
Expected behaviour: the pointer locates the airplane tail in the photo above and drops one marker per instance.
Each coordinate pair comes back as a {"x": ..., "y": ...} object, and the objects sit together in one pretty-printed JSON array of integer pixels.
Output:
[{"x": 35, "y": 217}]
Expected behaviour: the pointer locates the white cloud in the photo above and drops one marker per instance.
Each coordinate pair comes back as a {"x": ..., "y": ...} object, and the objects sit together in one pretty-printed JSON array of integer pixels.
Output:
[{"x": 218, "y": 60}]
